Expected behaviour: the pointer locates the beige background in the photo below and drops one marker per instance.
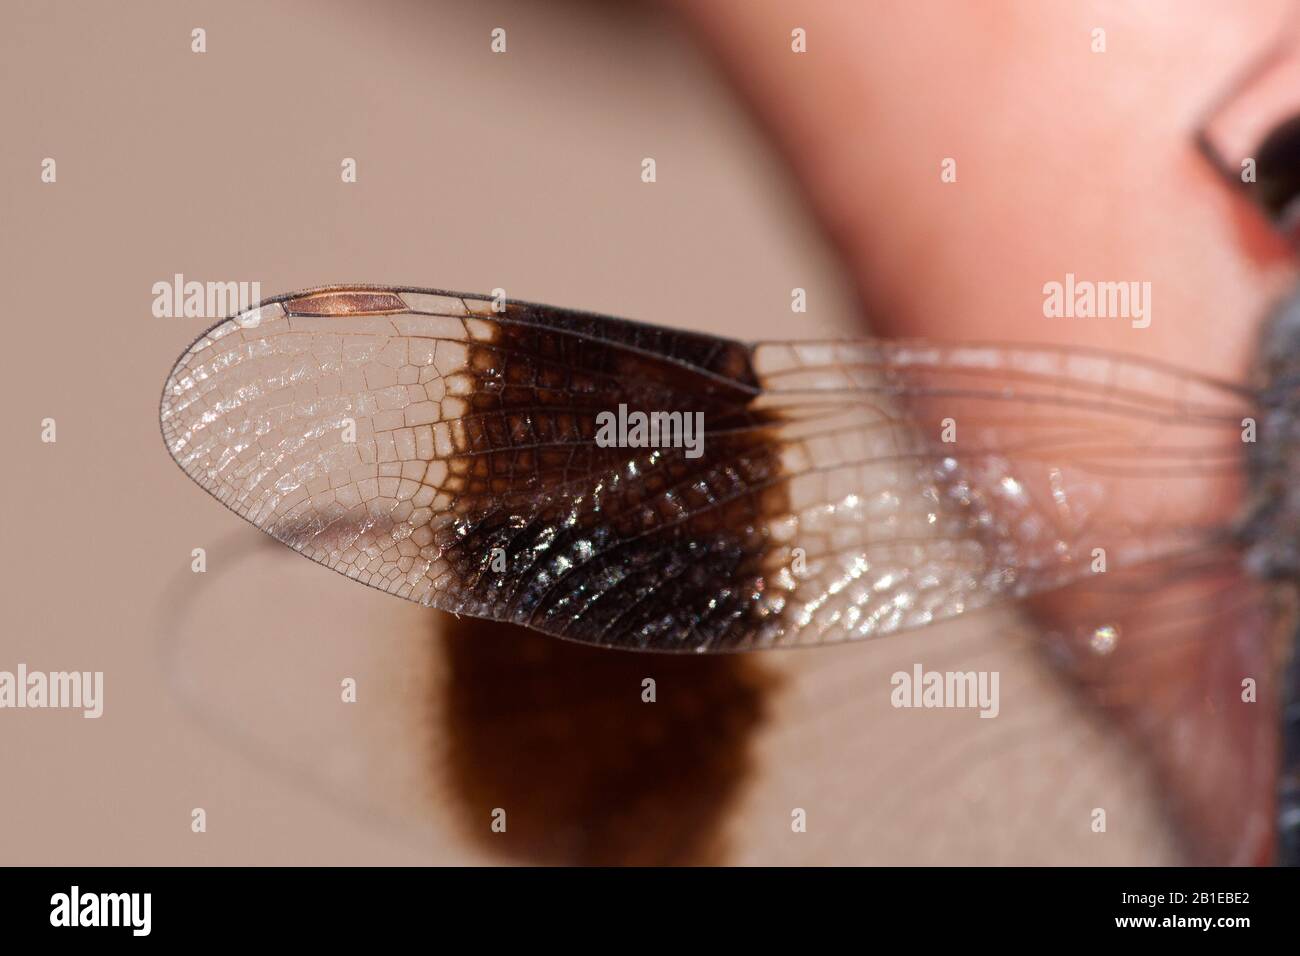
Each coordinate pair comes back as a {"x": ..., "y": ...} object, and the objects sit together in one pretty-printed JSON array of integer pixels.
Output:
[{"x": 475, "y": 171}]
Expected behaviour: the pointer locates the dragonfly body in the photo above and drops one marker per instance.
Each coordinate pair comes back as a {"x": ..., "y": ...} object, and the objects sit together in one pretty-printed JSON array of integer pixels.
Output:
[
  {"x": 1272, "y": 532},
  {"x": 1272, "y": 528}
]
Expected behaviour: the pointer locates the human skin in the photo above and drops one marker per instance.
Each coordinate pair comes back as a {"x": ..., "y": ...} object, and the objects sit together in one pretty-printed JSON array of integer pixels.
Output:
[{"x": 1068, "y": 160}]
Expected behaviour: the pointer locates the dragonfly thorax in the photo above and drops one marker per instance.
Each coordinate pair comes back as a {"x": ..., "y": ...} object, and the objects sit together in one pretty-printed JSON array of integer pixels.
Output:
[{"x": 1272, "y": 527}]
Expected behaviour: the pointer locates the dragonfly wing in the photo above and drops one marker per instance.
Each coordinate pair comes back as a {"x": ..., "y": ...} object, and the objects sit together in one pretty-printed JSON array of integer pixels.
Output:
[{"x": 451, "y": 453}]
